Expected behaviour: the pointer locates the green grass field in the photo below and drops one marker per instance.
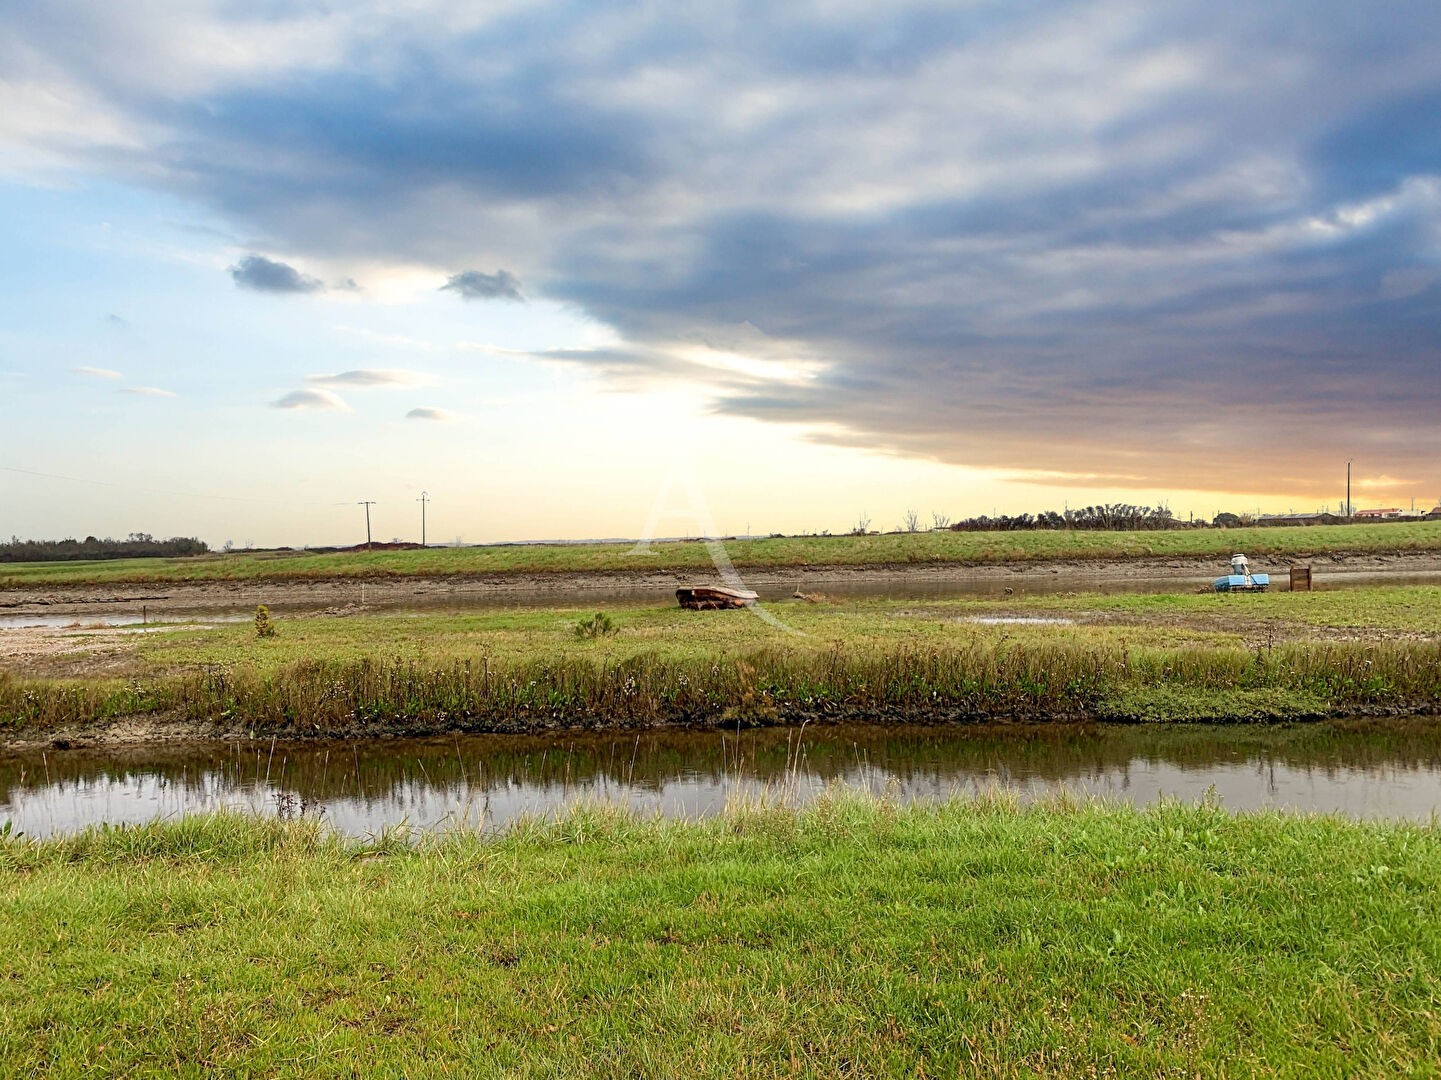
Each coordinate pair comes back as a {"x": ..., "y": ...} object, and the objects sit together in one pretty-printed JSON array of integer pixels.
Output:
[
  {"x": 1168, "y": 657},
  {"x": 853, "y": 938},
  {"x": 779, "y": 553},
  {"x": 669, "y": 633}
]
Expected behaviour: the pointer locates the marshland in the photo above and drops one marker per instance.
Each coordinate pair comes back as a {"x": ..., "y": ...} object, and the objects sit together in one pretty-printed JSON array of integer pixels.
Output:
[
  {"x": 1062, "y": 831},
  {"x": 1178, "y": 657}
]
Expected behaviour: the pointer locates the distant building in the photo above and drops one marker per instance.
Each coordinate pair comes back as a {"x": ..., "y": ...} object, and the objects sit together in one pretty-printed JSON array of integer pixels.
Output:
[
  {"x": 1380, "y": 515},
  {"x": 1315, "y": 518}
]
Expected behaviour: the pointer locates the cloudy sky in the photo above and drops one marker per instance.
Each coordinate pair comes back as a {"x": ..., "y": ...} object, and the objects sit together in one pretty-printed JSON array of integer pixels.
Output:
[{"x": 811, "y": 260}]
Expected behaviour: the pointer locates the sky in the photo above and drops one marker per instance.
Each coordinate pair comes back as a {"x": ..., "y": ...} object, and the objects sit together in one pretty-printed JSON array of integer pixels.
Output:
[{"x": 592, "y": 269}]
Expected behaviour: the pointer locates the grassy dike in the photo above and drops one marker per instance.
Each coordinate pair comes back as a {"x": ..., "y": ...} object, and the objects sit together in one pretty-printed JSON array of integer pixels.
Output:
[
  {"x": 776, "y": 553},
  {"x": 851, "y": 938},
  {"x": 1129, "y": 658}
]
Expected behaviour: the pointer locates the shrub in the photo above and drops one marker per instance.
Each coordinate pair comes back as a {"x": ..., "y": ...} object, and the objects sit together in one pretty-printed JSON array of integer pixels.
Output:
[
  {"x": 264, "y": 627},
  {"x": 595, "y": 626}
]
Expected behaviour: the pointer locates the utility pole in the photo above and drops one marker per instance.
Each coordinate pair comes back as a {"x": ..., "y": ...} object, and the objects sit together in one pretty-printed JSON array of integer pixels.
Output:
[
  {"x": 424, "y": 498},
  {"x": 1348, "y": 488},
  {"x": 367, "y": 503}
]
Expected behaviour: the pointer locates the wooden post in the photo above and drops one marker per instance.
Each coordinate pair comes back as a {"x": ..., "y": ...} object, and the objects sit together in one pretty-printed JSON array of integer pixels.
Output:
[{"x": 1300, "y": 579}]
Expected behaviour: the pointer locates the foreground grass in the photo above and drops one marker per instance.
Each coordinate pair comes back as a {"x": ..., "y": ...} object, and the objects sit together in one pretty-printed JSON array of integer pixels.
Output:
[
  {"x": 777, "y": 553},
  {"x": 851, "y": 938},
  {"x": 1179, "y": 657}
]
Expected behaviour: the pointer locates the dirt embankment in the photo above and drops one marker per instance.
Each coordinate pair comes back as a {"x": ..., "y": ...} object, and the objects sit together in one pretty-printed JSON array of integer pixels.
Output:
[
  {"x": 173, "y": 727},
  {"x": 183, "y": 598}
]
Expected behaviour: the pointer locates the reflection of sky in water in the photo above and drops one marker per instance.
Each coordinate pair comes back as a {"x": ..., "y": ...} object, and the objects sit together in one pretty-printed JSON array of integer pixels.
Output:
[
  {"x": 426, "y": 787},
  {"x": 130, "y": 620}
]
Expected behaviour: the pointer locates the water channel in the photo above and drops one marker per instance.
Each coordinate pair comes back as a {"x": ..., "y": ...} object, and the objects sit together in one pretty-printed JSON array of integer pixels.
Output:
[
  {"x": 1386, "y": 769},
  {"x": 360, "y": 597}
]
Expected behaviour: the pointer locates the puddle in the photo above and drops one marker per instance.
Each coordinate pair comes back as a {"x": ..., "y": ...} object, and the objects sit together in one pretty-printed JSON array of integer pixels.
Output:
[
  {"x": 152, "y": 629},
  {"x": 104, "y": 621},
  {"x": 1017, "y": 620}
]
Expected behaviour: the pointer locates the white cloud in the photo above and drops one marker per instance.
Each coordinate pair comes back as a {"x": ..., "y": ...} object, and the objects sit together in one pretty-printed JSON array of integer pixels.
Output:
[
  {"x": 97, "y": 372},
  {"x": 148, "y": 391},
  {"x": 399, "y": 341},
  {"x": 363, "y": 378},
  {"x": 429, "y": 412},
  {"x": 311, "y": 399}
]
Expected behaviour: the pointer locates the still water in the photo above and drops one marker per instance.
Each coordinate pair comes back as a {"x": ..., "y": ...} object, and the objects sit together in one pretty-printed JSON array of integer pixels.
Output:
[{"x": 1390, "y": 770}]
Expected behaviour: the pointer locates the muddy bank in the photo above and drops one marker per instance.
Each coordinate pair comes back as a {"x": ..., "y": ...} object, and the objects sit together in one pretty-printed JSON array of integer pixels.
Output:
[
  {"x": 589, "y": 588},
  {"x": 173, "y": 728}
]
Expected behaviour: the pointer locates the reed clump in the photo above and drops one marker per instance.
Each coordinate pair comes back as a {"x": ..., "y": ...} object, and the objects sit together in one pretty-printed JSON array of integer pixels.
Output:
[
  {"x": 1022, "y": 680},
  {"x": 44, "y": 704}
]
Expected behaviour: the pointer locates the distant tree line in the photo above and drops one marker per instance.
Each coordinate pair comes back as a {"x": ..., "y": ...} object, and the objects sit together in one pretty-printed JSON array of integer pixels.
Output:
[
  {"x": 134, "y": 546},
  {"x": 1114, "y": 517}
]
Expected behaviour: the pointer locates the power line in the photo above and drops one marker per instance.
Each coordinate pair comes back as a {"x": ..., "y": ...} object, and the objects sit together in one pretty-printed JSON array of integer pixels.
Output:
[{"x": 143, "y": 490}]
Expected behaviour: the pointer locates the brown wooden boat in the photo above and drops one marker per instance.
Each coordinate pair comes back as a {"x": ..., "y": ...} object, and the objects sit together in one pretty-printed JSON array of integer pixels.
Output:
[{"x": 713, "y": 597}]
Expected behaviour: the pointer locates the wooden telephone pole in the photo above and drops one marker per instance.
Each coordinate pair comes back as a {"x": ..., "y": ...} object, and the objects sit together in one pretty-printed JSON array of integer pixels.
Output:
[
  {"x": 367, "y": 503},
  {"x": 424, "y": 498}
]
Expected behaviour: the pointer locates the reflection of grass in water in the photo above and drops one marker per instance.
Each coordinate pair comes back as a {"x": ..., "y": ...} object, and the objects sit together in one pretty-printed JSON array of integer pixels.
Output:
[
  {"x": 976, "y": 937},
  {"x": 780, "y": 552},
  {"x": 466, "y": 771}
]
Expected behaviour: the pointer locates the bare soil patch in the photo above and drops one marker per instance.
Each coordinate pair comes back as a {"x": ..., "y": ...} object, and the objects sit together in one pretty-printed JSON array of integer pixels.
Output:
[{"x": 64, "y": 651}]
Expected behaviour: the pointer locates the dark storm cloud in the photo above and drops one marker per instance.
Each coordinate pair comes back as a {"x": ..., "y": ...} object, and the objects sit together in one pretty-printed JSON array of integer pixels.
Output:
[
  {"x": 474, "y": 285},
  {"x": 1198, "y": 243},
  {"x": 257, "y": 273}
]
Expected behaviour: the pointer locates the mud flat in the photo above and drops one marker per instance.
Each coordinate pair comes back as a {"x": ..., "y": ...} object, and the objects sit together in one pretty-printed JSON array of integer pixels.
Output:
[{"x": 565, "y": 589}]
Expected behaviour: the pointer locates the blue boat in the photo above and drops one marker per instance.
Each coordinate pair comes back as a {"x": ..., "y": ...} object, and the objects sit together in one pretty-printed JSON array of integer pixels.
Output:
[{"x": 1243, "y": 583}]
